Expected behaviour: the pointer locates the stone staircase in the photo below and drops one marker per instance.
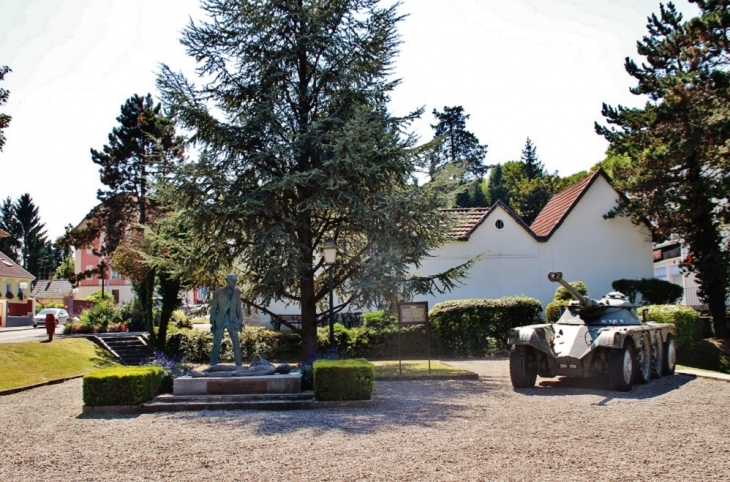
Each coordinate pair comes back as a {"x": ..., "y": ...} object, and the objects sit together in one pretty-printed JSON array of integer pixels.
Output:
[{"x": 129, "y": 349}]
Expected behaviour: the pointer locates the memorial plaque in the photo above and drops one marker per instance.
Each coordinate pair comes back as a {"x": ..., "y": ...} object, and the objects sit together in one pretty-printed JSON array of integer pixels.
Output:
[
  {"x": 236, "y": 385},
  {"x": 413, "y": 313}
]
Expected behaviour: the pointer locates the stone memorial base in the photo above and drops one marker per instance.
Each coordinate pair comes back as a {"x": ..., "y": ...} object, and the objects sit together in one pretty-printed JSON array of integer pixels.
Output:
[{"x": 212, "y": 385}]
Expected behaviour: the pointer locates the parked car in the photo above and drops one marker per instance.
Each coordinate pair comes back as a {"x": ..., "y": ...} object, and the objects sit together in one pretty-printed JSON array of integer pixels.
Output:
[{"x": 60, "y": 314}]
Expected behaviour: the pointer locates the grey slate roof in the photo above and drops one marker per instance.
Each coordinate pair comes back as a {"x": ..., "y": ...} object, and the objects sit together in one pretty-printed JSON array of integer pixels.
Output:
[{"x": 57, "y": 288}]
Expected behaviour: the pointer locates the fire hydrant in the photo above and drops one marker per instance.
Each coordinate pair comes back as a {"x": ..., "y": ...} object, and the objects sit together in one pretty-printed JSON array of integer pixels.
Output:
[{"x": 50, "y": 325}]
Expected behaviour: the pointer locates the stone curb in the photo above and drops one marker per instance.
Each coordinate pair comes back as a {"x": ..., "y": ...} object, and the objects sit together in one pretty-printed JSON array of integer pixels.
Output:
[
  {"x": 42, "y": 384},
  {"x": 723, "y": 377},
  {"x": 181, "y": 407},
  {"x": 469, "y": 376}
]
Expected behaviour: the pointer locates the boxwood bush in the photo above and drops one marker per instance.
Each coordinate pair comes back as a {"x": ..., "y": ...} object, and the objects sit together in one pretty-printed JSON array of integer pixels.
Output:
[
  {"x": 343, "y": 379},
  {"x": 122, "y": 385},
  {"x": 465, "y": 327},
  {"x": 653, "y": 291},
  {"x": 685, "y": 319}
]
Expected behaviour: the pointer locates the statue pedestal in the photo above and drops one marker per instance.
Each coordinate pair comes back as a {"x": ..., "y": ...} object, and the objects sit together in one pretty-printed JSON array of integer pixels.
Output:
[{"x": 212, "y": 385}]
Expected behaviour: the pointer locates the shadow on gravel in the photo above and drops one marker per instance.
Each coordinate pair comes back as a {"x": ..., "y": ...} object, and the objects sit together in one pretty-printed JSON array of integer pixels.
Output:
[
  {"x": 567, "y": 386},
  {"x": 397, "y": 404}
]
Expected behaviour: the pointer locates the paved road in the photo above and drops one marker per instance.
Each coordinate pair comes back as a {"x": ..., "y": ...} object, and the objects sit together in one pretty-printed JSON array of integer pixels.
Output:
[{"x": 14, "y": 335}]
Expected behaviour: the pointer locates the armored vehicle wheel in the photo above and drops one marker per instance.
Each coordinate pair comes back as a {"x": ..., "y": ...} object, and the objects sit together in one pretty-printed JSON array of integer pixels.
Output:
[
  {"x": 643, "y": 375},
  {"x": 670, "y": 356},
  {"x": 522, "y": 366},
  {"x": 657, "y": 367},
  {"x": 621, "y": 368}
]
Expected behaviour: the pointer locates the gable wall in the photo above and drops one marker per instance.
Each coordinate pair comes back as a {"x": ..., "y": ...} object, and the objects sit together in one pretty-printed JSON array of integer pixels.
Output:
[
  {"x": 507, "y": 252},
  {"x": 594, "y": 250}
]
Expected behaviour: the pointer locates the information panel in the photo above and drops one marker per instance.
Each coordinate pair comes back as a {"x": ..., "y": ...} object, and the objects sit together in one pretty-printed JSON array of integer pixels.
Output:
[{"x": 413, "y": 313}]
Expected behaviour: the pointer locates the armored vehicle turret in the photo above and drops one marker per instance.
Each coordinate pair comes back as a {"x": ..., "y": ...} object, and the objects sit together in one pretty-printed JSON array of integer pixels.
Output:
[{"x": 593, "y": 337}]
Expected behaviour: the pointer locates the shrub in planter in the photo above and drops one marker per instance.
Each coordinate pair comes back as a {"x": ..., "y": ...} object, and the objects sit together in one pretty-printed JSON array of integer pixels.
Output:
[
  {"x": 343, "y": 379},
  {"x": 685, "y": 319},
  {"x": 122, "y": 385}
]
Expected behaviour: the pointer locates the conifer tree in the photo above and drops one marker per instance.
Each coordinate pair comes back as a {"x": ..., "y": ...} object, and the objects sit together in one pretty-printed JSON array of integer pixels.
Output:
[
  {"x": 10, "y": 246},
  {"x": 297, "y": 146},
  {"x": 532, "y": 166},
  {"x": 679, "y": 171},
  {"x": 456, "y": 145},
  {"x": 4, "y": 118}
]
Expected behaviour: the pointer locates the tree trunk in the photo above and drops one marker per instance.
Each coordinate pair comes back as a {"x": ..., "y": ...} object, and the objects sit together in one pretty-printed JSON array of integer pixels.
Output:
[
  {"x": 309, "y": 318},
  {"x": 169, "y": 289},
  {"x": 146, "y": 300}
]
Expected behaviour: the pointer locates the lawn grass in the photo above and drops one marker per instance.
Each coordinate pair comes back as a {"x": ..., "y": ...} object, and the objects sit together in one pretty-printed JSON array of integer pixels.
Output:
[
  {"x": 200, "y": 321},
  {"x": 31, "y": 363},
  {"x": 415, "y": 368}
]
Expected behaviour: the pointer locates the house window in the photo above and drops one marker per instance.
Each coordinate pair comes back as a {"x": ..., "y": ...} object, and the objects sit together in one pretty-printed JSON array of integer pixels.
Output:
[
  {"x": 499, "y": 224},
  {"x": 116, "y": 275}
]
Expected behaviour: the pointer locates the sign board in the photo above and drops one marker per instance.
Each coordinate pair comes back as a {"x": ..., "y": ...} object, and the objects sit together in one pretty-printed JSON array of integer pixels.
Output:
[{"x": 413, "y": 313}]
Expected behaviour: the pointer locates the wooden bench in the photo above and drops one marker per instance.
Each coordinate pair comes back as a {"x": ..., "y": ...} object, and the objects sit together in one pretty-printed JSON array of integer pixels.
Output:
[{"x": 293, "y": 319}]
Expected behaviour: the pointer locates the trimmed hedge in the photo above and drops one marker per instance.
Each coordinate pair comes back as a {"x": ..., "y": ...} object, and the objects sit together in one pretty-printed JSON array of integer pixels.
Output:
[
  {"x": 194, "y": 346},
  {"x": 465, "y": 327},
  {"x": 653, "y": 291},
  {"x": 122, "y": 385},
  {"x": 343, "y": 379},
  {"x": 685, "y": 319}
]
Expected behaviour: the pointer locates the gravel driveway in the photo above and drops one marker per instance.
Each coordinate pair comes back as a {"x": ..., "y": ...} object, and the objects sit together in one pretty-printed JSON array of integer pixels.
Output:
[{"x": 676, "y": 428}]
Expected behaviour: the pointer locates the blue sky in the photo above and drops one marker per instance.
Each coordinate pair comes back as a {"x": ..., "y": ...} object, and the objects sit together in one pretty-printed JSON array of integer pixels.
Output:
[{"x": 538, "y": 68}]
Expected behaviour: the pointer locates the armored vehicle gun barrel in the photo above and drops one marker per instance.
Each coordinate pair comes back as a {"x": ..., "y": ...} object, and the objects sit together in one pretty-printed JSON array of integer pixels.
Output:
[{"x": 557, "y": 277}]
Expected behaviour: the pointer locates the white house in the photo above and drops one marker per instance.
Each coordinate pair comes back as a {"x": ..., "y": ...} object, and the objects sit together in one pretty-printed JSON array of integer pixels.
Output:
[
  {"x": 668, "y": 257},
  {"x": 570, "y": 235}
]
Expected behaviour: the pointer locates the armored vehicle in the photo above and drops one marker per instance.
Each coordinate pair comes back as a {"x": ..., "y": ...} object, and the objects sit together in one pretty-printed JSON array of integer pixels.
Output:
[{"x": 593, "y": 338}]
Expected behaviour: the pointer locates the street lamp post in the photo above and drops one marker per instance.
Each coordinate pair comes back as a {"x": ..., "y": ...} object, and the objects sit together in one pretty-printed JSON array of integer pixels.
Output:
[{"x": 330, "y": 255}]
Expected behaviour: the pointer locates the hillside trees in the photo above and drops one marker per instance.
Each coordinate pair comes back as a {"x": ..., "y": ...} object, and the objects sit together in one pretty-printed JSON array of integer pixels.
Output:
[
  {"x": 457, "y": 147},
  {"x": 4, "y": 118},
  {"x": 679, "y": 170},
  {"x": 297, "y": 146}
]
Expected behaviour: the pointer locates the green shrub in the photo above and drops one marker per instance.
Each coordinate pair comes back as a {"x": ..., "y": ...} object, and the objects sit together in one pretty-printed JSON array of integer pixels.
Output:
[
  {"x": 181, "y": 320},
  {"x": 100, "y": 296},
  {"x": 554, "y": 309},
  {"x": 122, "y": 385},
  {"x": 195, "y": 346},
  {"x": 102, "y": 313},
  {"x": 653, "y": 291},
  {"x": 465, "y": 327},
  {"x": 561, "y": 294},
  {"x": 343, "y": 379},
  {"x": 685, "y": 319},
  {"x": 379, "y": 321}
]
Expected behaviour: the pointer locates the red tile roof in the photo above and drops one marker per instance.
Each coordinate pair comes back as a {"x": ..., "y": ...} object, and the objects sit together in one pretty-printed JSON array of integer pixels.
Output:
[
  {"x": 8, "y": 269},
  {"x": 465, "y": 220},
  {"x": 556, "y": 210}
]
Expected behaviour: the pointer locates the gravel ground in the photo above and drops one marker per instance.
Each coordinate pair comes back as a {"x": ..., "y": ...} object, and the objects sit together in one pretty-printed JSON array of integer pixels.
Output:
[{"x": 675, "y": 428}]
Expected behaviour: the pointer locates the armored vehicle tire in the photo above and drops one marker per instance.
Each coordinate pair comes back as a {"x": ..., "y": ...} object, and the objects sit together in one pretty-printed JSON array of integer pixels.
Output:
[
  {"x": 621, "y": 368},
  {"x": 522, "y": 366},
  {"x": 670, "y": 356},
  {"x": 643, "y": 373},
  {"x": 657, "y": 366}
]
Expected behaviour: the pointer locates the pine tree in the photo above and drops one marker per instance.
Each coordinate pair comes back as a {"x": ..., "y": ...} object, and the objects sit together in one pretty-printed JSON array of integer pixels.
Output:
[
  {"x": 10, "y": 246},
  {"x": 532, "y": 166},
  {"x": 4, "y": 118},
  {"x": 301, "y": 148},
  {"x": 679, "y": 174},
  {"x": 456, "y": 145},
  {"x": 32, "y": 236}
]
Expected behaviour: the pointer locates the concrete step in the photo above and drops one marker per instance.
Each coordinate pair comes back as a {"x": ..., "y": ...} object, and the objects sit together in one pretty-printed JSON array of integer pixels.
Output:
[{"x": 263, "y": 401}]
